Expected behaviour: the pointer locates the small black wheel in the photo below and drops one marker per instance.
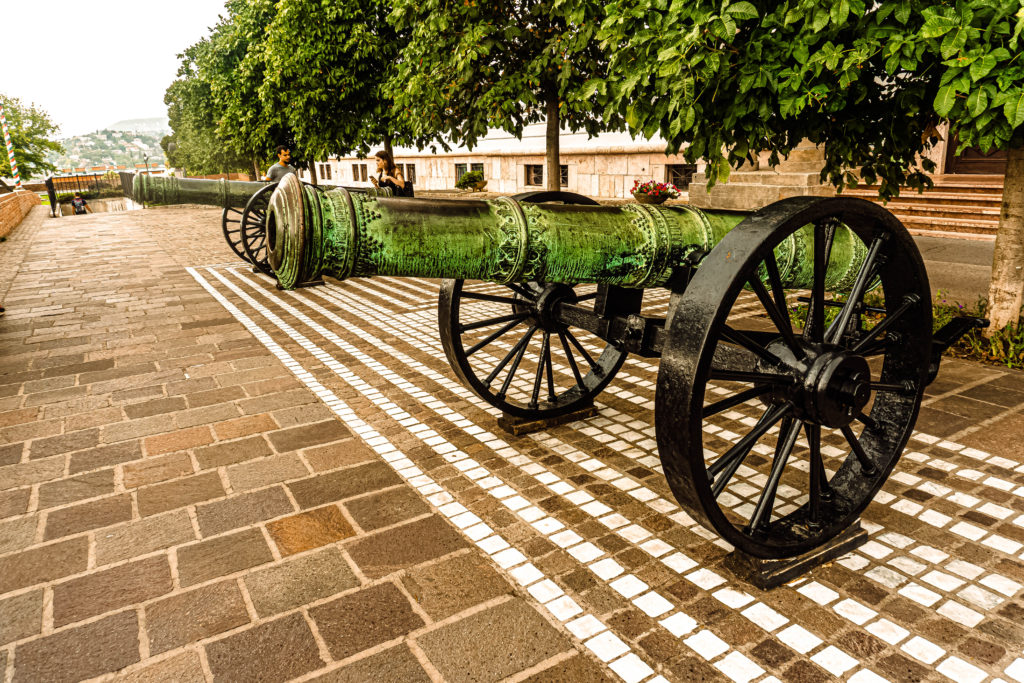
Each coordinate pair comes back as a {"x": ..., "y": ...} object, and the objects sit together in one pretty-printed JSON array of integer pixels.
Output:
[
  {"x": 231, "y": 226},
  {"x": 852, "y": 391},
  {"x": 253, "y": 227},
  {"x": 508, "y": 344}
]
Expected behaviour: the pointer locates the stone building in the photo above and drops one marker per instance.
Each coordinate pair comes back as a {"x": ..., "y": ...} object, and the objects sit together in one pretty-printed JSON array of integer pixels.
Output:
[{"x": 603, "y": 167}]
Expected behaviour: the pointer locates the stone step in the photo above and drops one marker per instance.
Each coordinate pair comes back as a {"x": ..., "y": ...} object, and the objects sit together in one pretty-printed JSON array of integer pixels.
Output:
[
  {"x": 949, "y": 225},
  {"x": 943, "y": 198},
  {"x": 944, "y": 211}
]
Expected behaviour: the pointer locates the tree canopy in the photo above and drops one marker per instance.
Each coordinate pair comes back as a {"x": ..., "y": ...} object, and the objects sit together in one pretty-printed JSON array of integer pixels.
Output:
[
  {"x": 32, "y": 132},
  {"x": 191, "y": 111},
  {"x": 869, "y": 83},
  {"x": 474, "y": 66},
  {"x": 326, "y": 68}
]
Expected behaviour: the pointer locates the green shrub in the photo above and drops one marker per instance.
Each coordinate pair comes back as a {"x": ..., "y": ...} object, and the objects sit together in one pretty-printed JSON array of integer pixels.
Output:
[{"x": 469, "y": 179}]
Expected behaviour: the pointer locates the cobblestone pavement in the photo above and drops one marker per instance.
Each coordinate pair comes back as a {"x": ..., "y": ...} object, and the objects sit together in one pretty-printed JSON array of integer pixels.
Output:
[{"x": 204, "y": 478}]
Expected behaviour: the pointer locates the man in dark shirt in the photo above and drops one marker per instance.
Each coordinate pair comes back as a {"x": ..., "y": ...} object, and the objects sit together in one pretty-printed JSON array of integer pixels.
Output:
[
  {"x": 79, "y": 205},
  {"x": 282, "y": 167}
]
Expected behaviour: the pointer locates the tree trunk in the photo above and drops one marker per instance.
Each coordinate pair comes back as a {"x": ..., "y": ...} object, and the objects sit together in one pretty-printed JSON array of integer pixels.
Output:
[
  {"x": 553, "y": 171},
  {"x": 1006, "y": 292},
  {"x": 387, "y": 145},
  {"x": 256, "y": 168},
  {"x": 312, "y": 172}
]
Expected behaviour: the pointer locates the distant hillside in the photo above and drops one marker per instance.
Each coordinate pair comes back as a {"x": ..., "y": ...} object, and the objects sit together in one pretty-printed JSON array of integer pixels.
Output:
[
  {"x": 155, "y": 125},
  {"x": 111, "y": 147}
]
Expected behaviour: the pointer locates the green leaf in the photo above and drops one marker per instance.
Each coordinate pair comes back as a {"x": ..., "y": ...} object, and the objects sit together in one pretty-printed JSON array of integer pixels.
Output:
[
  {"x": 977, "y": 102},
  {"x": 903, "y": 12},
  {"x": 936, "y": 26},
  {"x": 952, "y": 43},
  {"x": 981, "y": 67},
  {"x": 944, "y": 100},
  {"x": 840, "y": 10},
  {"x": 1013, "y": 110},
  {"x": 742, "y": 10}
]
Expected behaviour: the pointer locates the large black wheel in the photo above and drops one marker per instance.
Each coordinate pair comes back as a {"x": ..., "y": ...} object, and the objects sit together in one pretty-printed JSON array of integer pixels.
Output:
[
  {"x": 817, "y": 414},
  {"x": 231, "y": 227},
  {"x": 253, "y": 229},
  {"x": 507, "y": 344}
]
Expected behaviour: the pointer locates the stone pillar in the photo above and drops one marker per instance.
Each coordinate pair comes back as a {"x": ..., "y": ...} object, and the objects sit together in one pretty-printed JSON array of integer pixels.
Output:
[{"x": 752, "y": 188}]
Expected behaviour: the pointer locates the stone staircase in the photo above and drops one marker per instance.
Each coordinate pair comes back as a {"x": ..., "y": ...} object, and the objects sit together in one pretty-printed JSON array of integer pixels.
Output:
[{"x": 956, "y": 206}]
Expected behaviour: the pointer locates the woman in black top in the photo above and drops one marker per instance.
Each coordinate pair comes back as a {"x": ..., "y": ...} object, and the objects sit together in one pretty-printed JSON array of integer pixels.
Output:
[{"x": 388, "y": 175}]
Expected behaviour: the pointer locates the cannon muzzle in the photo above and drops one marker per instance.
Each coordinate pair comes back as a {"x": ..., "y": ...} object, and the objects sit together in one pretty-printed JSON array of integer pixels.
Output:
[
  {"x": 169, "y": 190},
  {"x": 311, "y": 233}
]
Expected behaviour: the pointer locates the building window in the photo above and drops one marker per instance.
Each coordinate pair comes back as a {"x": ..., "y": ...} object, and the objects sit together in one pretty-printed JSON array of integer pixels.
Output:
[
  {"x": 325, "y": 172},
  {"x": 680, "y": 175},
  {"x": 359, "y": 172},
  {"x": 534, "y": 174},
  {"x": 563, "y": 174},
  {"x": 462, "y": 169},
  {"x": 355, "y": 172},
  {"x": 408, "y": 172}
]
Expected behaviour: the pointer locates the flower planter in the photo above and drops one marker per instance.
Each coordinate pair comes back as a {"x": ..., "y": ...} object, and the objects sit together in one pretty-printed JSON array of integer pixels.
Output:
[{"x": 650, "y": 199}]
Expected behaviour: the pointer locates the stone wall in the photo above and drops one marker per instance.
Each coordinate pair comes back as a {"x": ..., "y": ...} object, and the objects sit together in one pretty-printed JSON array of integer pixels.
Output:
[{"x": 13, "y": 207}]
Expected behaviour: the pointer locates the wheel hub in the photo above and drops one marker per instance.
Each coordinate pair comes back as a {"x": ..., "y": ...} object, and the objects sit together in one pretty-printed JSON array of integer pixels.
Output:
[
  {"x": 832, "y": 385},
  {"x": 543, "y": 310}
]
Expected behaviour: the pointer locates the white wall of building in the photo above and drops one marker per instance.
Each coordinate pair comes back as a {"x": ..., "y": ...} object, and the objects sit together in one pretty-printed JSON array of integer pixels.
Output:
[{"x": 604, "y": 166}]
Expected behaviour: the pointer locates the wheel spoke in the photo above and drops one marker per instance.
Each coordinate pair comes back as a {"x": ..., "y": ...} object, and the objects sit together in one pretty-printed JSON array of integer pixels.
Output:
[
  {"x": 772, "y": 266},
  {"x": 781, "y": 323},
  {"x": 508, "y": 356},
  {"x": 735, "y": 400},
  {"x": 888, "y": 322},
  {"x": 864, "y": 276},
  {"x": 539, "y": 378},
  {"x": 868, "y": 422},
  {"x": 824, "y": 233},
  {"x": 550, "y": 369},
  {"x": 757, "y": 377},
  {"x": 493, "y": 321},
  {"x": 480, "y": 296},
  {"x": 579, "y": 347},
  {"x": 906, "y": 388},
  {"x": 491, "y": 337},
  {"x": 814, "y": 499},
  {"x": 867, "y": 467},
  {"x": 735, "y": 455},
  {"x": 572, "y": 360},
  {"x": 737, "y": 337},
  {"x": 787, "y": 437},
  {"x": 524, "y": 344},
  {"x": 522, "y": 291}
]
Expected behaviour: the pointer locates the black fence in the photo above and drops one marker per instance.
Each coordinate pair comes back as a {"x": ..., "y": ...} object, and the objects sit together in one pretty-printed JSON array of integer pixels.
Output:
[{"x": 61, "y": 189}]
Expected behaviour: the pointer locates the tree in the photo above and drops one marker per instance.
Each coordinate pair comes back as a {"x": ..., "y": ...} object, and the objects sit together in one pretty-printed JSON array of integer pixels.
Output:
[
  {"x": 331, "y": 83},
  {"x": 869, "y": 84},
  {"x": 192, "y": 114},
  {"x": 472, "y": 66},
  {"x": 32, "y": 133}
]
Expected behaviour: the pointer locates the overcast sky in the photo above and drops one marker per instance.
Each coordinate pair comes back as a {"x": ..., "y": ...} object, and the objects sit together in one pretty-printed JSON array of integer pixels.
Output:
[{"x": 91, "y": 64}]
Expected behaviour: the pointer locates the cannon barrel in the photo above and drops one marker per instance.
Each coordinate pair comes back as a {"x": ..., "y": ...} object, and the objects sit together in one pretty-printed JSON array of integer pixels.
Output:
[
  {"x": 169, "y": 190},
  {"x": 342, "y": 234}
]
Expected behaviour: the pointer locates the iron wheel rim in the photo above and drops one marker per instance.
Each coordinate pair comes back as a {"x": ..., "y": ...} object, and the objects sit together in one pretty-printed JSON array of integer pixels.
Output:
[{"x": 696, "y": 324}]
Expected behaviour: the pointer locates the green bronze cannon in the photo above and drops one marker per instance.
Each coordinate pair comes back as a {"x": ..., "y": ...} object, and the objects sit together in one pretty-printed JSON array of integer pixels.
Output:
[
  {"x": 806, "y": 325},
  {"x": 243, "y": 208},
  {"x": 542, "y": 300}
]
